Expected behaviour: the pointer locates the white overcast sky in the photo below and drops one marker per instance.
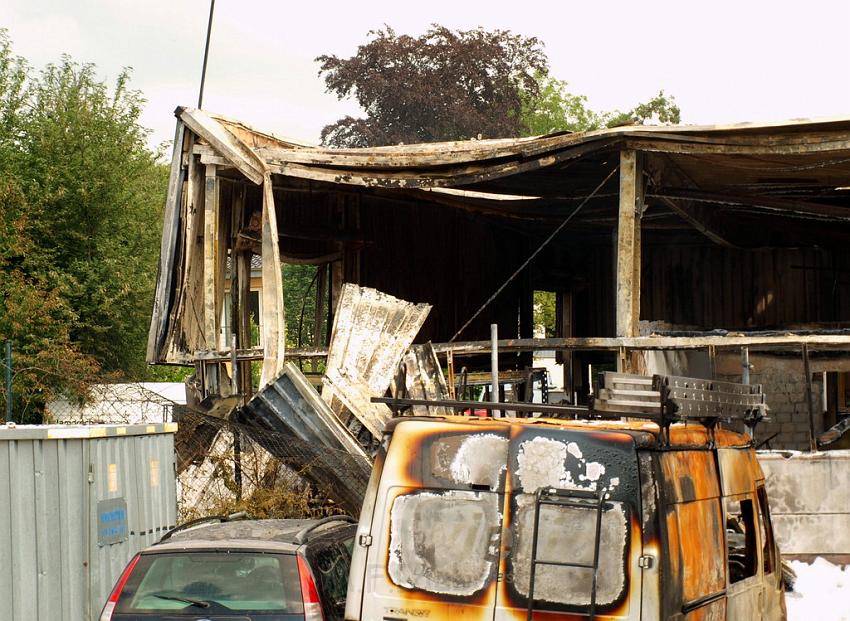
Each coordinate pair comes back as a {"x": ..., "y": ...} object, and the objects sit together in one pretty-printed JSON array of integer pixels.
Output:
[{"x": 725, "y": 61}]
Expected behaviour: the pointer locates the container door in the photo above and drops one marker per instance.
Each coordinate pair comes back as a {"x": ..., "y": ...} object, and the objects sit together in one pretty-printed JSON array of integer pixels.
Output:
[
  {"x": 437, "y": 524},
  {"x": 555, "y": 480}
]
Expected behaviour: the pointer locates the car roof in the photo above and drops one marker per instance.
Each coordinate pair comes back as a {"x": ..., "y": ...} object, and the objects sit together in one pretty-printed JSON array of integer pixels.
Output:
[{"x": 277, "y": 534}]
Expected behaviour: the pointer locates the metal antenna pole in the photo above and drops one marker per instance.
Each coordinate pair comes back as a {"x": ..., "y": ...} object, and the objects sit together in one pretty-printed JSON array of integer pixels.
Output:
[
  {"x": 494, "y": 366},
  {"x": 206, "y": 56},
  {"x": 10, "y": 417}
]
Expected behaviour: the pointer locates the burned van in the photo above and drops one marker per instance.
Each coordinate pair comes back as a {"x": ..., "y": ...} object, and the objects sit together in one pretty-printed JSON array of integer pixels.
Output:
[{"x": 547, "y": 518}]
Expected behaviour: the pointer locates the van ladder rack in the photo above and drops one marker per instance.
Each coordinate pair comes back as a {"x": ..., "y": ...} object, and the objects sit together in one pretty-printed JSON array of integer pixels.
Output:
[
  {"x": 667, "y": 399},
  {"x": 578, "y": 499}
]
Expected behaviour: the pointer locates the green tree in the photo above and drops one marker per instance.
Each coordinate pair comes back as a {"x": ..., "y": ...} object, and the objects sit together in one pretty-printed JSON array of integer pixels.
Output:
[
  {"x": 551, "y": 107},
  {"x": 80, "y": 204}
]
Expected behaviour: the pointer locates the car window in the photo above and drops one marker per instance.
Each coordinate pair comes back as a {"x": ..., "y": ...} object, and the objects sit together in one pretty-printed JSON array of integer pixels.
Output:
[
  {"x": 331, "y": 565},
  {"x": 742, "y": 555},
  {"x": 217, "y": 581}
]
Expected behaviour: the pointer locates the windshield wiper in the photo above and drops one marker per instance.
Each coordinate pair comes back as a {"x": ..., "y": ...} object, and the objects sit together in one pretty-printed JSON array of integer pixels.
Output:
[{"x": 194, "y": 602}]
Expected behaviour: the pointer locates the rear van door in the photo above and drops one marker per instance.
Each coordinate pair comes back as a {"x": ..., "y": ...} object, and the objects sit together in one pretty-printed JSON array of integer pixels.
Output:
[
  {"x": 560, "y": 475},
  {"x": 437, "y": 523}
]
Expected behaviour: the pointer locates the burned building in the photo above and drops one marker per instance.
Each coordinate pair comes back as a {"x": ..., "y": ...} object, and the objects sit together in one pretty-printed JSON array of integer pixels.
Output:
[{"x": 683, "y": 250}]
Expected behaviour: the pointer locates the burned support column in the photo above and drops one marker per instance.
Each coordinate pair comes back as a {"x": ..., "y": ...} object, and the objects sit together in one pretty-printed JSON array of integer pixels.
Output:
[
  {"x": 628, "y": 244},
  {"x": 211, "y": 321},
  {"x": 808, "y": 371}
]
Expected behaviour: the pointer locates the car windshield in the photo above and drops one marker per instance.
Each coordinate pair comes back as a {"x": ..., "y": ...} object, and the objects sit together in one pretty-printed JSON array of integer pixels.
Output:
[{"x": 202, "y": 583}]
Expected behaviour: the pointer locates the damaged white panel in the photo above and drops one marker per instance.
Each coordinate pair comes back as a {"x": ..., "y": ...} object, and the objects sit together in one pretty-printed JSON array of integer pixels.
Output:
[
  {"x": 371, "y": 332},
  {"x": 470, "y": 459},
  {"x": 567, "y": 534},
  {"x": 424, "y": 379},
  {"x": 446, "y": 542}
]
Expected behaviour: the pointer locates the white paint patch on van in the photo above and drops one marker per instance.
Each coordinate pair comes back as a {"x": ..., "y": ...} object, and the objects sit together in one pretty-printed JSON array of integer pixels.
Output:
[
  {"x": 570, "y": 585},
  {"x": 444, "y": 542},
  {"x": 540, "y": 463},
  {"x": 593, "y": 470},
  {"x": 480, "y": 460},
  {"x": 574, "y": 450}
]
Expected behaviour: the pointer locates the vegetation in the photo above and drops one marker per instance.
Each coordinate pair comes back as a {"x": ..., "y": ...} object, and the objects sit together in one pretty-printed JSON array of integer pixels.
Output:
[
  {"x": 80, "y": 202},
  {"x": 443, "y": 85},
  {"x": 456, "y": 85},
  {"x": 553, "y": 108}
]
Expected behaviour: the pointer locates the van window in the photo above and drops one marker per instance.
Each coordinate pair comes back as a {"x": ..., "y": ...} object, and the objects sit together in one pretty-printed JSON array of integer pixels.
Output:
[
  {"x": 444, "y": 541},
  {"x": 568, "y": 535},
  {"x": 768, "y": 546},
  {"x": 742, "y": 556},
  {"x": 474, "y": 459}
]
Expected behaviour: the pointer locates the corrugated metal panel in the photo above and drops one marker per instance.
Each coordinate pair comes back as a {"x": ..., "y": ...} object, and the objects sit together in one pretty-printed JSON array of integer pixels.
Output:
[
  {"x": 51, "y": 481},
  {"x": 310, "y": 438},
  {"x": 371, "y": 332}
]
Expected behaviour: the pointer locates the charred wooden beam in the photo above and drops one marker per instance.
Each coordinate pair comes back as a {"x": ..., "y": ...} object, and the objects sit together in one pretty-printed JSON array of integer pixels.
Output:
[
  {"x": 211, "y": 204},
  {"x": 777, "y": 206},
  {"x": 702, "y": 219},
  {"x": 628, "y": 243}
]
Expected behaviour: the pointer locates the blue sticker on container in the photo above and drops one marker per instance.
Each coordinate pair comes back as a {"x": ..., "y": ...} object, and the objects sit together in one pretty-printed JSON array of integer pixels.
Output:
[{"x": 112, "y": 521}]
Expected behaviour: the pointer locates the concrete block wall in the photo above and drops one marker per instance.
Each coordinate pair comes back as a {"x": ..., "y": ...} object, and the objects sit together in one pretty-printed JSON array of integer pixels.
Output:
[
  {"x": 788, "y": 409},
  {"x": 785, "y": 386}
]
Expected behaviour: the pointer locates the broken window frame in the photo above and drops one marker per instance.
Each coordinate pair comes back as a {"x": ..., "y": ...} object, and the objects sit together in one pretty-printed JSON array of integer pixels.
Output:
[
  {"x": 766, "y": 531},
  {"x": 750, "y": 561}
]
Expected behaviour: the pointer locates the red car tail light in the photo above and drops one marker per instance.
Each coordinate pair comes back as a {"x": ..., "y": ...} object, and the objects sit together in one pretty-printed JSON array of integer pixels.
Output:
[
  {"x": 109, "y": 608},
  {"x": 309, "y": 593}
]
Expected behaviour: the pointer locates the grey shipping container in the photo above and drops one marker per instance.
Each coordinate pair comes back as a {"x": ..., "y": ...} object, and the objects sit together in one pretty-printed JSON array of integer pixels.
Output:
[{"x": 76, "y": 503}]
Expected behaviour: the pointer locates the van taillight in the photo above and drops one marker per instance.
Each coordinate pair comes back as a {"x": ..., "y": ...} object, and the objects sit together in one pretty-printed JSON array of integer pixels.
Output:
[
  {"x": 106, "y": 614},
  {"x": 309, "y": 593}
]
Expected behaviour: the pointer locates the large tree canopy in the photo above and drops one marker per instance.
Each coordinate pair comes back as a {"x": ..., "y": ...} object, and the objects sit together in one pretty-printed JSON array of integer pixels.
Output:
[
  {"x": 443, "y": 85},
  {"x": 81, "y": 197},
  {"x": 456, "y": 85}
]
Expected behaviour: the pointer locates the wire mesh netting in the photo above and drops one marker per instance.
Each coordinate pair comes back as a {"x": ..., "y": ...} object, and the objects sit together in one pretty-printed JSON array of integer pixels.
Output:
[{"x": 225, "y": 466}]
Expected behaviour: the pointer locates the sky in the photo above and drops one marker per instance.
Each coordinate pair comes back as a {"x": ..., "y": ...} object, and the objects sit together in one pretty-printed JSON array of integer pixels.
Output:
[{"x": 724, "y": 61}]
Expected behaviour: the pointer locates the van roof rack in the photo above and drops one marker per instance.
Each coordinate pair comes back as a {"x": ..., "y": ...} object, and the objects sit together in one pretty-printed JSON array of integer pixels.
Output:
[
  {"x": 662, "y": 399},
  {"x": 667, "y": 399}
]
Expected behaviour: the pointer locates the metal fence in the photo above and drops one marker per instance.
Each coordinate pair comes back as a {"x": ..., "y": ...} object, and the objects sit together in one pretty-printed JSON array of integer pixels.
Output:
[{"x": 224, "y": 466}]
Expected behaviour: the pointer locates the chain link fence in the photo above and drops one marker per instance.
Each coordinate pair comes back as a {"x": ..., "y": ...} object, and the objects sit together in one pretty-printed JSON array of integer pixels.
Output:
[{"x": 224, "y": 466}]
